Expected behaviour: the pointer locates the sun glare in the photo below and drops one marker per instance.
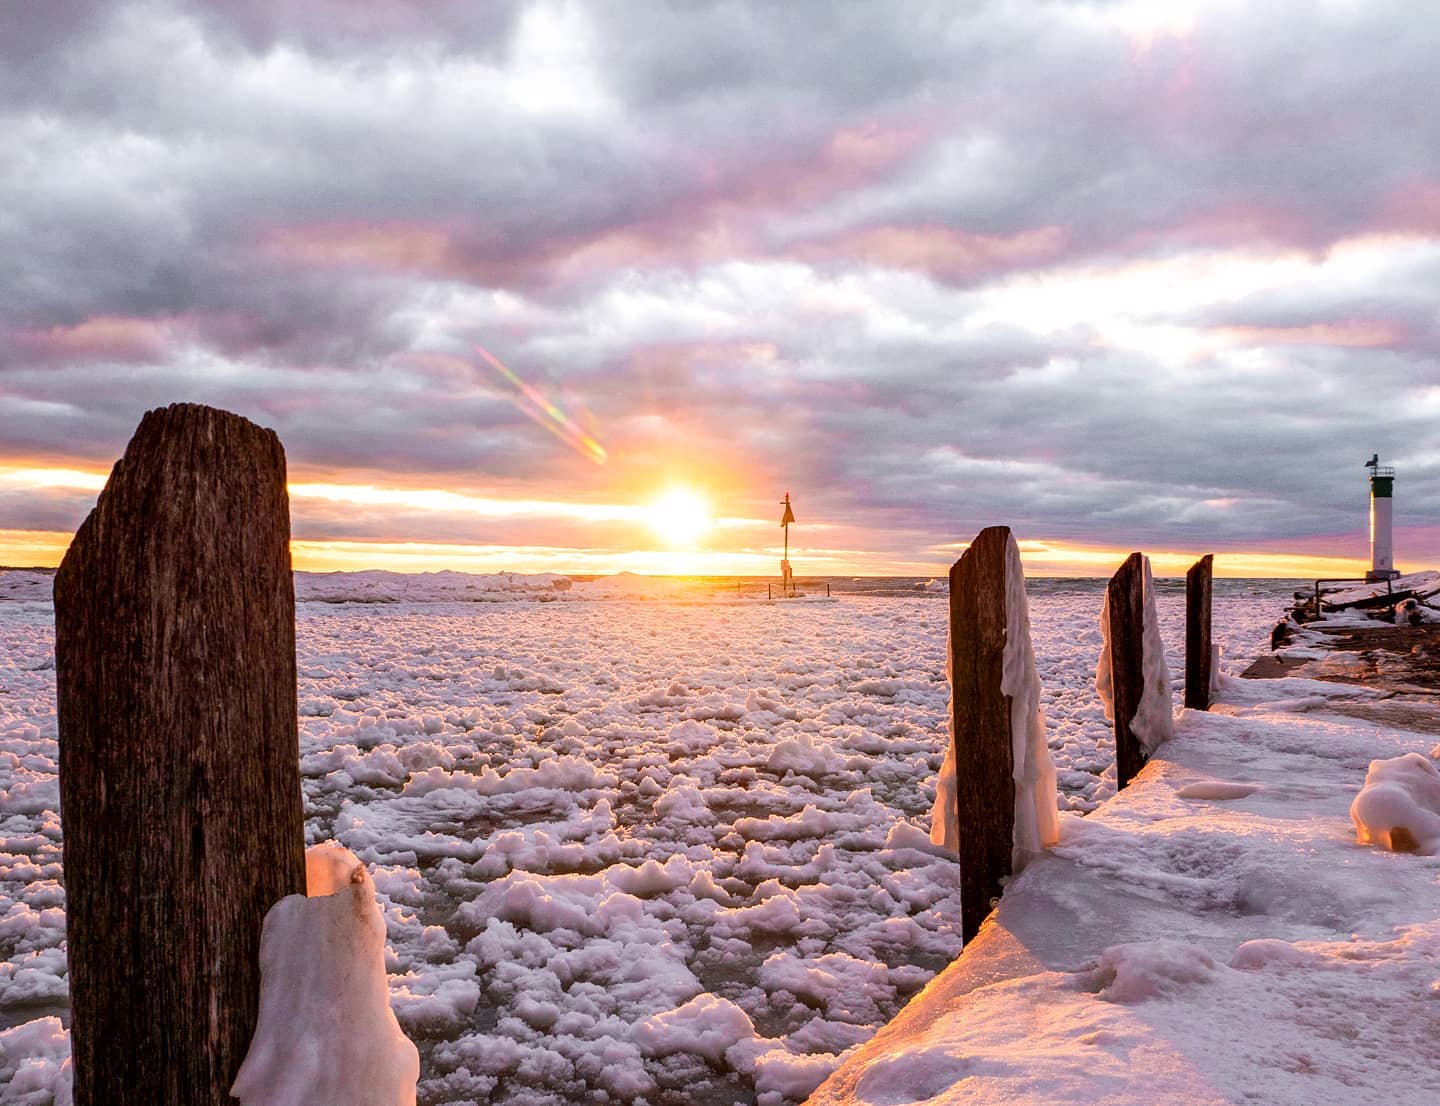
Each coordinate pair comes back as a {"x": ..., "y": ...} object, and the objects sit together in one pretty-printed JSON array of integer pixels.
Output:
[{"x": 680, "y": 518}]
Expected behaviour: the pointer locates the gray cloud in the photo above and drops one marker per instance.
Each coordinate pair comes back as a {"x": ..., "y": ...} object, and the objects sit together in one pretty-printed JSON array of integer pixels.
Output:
[{"x": 770, "y": 240}]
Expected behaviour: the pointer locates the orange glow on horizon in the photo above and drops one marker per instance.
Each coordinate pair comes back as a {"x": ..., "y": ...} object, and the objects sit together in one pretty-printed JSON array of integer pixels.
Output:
[
  {"x": 736, "y": 546},
  {"x": 45, "y": 548}
]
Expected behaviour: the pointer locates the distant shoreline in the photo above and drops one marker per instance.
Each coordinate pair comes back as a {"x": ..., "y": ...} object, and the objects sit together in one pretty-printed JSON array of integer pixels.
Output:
[{"x": 588, "y": 577}]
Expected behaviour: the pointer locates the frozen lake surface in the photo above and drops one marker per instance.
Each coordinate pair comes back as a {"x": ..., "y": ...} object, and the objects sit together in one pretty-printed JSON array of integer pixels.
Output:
[{"x": 636, "y": 842}]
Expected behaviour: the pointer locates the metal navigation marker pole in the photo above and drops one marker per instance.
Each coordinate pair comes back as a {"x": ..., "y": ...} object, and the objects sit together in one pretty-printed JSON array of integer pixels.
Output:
[{"x": 787, "y": 583}]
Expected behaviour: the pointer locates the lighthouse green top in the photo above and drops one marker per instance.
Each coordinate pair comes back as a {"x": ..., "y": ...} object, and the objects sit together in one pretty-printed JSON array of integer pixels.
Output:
[{"x": 1383, "y": 487}]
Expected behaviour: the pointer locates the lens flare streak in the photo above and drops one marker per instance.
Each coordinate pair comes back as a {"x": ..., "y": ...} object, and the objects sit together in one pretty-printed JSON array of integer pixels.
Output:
[{"x": 545, "y": 412}]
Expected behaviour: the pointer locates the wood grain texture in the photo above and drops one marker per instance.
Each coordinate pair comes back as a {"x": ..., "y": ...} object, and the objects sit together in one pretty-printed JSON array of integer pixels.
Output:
[
  {"x": 179, "y": 756},
  {"x": 1198, "y": 655},
  {"x": 980, "y": 723},
  {"x": 1126, "y": 594}
]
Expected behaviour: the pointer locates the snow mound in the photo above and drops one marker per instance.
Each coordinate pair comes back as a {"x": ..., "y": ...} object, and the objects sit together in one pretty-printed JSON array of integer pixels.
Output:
[
  {"x": 916, "y": 1078},
  {"x": 1269, "y": 952},
  {"x": 1216, "y": 790},
  {"x": 1146, "y": 970},
  {"x": 326, "y": 1032},
  {"x": 1399, "y": 806}
]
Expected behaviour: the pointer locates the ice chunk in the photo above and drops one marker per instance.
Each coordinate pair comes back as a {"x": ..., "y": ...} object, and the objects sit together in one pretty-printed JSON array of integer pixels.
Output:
[
  {"x": 803, "y": 757},
  {"x": 706, "y": 1026},
  {"x": 1399, "y": 806},
  {"x": 35, "y": 1063},
  {"x": 780, "y": 1074},
  {"x": 326, "y": 1032}
]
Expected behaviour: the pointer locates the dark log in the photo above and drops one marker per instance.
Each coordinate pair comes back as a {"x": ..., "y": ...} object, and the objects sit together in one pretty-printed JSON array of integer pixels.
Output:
[
  {"x": 1373, "y": 602},
  {"x": 179, "y": 756},
  {"x": 1198, "y": 652},
  {"x": 1126, "y": 594},
  {"x": 980, "y": 723}
]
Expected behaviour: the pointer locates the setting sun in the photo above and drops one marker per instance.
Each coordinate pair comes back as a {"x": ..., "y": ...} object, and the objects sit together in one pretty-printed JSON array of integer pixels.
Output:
[{"x": 680, "y": 517}]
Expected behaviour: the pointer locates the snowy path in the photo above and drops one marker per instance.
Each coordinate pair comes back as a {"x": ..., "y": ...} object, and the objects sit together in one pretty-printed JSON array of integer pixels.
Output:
[{"x": 1213, "y": 934}]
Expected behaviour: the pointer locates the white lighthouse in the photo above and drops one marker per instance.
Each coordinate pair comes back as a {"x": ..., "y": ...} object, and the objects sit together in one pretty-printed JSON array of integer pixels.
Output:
[{"x": 1382, "y": 510}]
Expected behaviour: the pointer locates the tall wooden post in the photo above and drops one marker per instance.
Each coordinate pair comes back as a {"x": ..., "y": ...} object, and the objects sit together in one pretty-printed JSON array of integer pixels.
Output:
[
  {"x": 980, "y": 723},
  {"x": 1198, "y": 655},
  {"x": 179, "y": 756},
  {"x": 1126, "y": 605}
]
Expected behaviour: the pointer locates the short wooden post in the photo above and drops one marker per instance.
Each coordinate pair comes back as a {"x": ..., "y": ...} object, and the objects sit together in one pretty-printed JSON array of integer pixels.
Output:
[
  {"x": 1126, "y": 603},
  {"x": 980, "y": 723},
  {"x": 1198, "y": 654},
  {"x": 179, "y": 755}
]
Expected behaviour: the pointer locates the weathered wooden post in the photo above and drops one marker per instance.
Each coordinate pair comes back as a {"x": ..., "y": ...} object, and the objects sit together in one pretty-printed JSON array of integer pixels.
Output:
[
  {"x": 1198, "y": 655},
  {"x": 1125, "y": 609},
  {"x": 980, "y": 725},
  {"x": 179, "y": 756}
]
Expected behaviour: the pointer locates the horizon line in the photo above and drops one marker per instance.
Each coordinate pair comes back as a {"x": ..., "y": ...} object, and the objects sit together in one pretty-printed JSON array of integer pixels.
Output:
[{"x": 43, "y": 550}]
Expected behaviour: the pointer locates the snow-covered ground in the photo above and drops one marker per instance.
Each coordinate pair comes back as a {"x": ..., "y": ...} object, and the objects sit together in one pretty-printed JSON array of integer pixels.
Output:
[
  {"x": 1214, "y": 934},
  {"x": 632, "y": 841}
]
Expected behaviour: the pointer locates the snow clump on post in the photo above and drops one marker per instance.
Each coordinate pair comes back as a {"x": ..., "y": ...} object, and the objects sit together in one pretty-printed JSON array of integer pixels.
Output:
[
  {"x": 326, "y": 1031},
  {"x": 1036, "y": 818},
  {"x": 1154, "y": 720}
]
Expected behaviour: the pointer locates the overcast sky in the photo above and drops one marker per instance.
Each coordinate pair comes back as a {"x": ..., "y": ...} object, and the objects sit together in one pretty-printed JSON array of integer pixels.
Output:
[{"x": 1120, "y": 275}]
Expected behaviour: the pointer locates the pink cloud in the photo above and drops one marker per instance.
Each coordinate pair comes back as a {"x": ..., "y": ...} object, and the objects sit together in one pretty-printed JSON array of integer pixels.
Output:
[
  {"x": 1413, "y": 207},
  {"x": 850, "y": 158},
  {"x": 140, "y": 340},
  {"x": 397, "y": 246},
  {"x": 106, "y": 337},
  {"x": 1347, "y": 333},
  {"x": 942, "y": 252}
]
